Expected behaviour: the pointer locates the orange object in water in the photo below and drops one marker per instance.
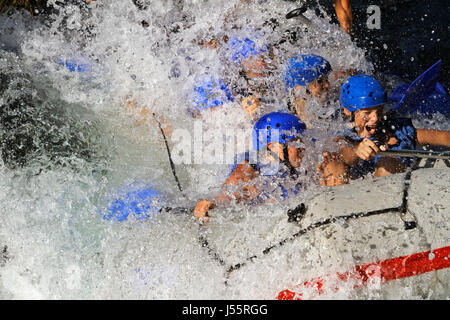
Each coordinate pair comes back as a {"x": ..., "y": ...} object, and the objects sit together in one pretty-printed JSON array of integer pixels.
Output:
[
  {"x": 143, "y": 115},
  {"x": 141, "y": 112}
]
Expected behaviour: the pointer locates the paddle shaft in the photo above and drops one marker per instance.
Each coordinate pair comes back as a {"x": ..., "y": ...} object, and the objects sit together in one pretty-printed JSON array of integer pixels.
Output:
[{"x": 445, "y": 155}]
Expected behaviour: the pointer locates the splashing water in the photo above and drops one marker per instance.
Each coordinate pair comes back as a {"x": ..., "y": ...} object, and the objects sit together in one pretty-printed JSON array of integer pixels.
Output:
[{"x": 71, "y": 140}]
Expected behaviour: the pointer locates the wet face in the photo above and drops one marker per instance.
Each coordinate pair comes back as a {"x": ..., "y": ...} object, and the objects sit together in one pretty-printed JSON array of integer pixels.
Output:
[
  {"x": 367, "y": 120},
  {"x": 319, "y": 87}
]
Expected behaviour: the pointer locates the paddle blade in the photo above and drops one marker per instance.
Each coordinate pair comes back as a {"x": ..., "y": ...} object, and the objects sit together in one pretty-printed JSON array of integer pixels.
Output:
[{"x": 418, "y": 92}]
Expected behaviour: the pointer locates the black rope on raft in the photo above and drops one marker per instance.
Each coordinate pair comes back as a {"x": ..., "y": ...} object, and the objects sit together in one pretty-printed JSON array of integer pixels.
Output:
[
  {"x": 402, "y": 209},
  {"x": 312, "y": 227}
]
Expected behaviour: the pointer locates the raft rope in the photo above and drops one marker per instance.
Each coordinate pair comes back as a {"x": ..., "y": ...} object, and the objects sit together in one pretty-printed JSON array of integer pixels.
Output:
[
  {"x": 402, "y": 210},
  {"x": 172, "y": 165}
]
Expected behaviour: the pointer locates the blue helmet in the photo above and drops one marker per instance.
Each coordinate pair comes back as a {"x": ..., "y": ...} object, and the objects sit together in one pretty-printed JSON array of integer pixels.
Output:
[
  {"x": 73, "y": 65},
  {"x": 304, "y": 68},
  {"x": 276, "y": 127},
  {"x": 242, "y": 48},
  {"x": 211, "y": 93},
  {"x": 134, "y": 203},
  {"x": 362, "y": 92}
]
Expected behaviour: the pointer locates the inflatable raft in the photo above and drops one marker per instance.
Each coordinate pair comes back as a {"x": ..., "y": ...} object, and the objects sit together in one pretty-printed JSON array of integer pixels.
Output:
[{"x": 373, "y": 235}]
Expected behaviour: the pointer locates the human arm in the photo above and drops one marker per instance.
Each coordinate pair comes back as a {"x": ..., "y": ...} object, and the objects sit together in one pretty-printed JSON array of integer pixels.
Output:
[
  {"x": 433, "y": 137},
  {"x": 344, "y": 13},
  {"x": 332, "y": 170},
  {"x": 365, "y": 150},
  {"x": 241, "y": 176}
]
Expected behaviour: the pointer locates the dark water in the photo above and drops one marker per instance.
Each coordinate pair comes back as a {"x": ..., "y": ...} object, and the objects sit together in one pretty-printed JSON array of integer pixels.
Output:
[
  {"x": 37, "y": 125},
  {"x": 413, "y": 35}
]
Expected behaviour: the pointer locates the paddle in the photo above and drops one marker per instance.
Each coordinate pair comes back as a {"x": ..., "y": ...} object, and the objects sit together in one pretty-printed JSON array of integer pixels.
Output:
[
  {"x": 298, "y": 14},
  {"x": 424, "y": 95},
  {"x": 445, "y": 155}
]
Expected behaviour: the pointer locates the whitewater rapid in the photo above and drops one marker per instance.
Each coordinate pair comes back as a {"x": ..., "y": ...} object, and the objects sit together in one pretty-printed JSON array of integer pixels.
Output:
[{"x": 54, "y": 242}]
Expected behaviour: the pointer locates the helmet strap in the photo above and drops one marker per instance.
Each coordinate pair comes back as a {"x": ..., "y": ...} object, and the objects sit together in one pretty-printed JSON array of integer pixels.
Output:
[
  {"x": 293, "y": 174},
  {"x": 290, "y": 107},
  {"x": 292, "y": 171}
]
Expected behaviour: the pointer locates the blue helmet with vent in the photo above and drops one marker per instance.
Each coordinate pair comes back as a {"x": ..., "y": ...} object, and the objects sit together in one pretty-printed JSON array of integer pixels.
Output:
[
  {"x": 304, "y": 68},
  {"x": 245, "y": 47},
  {"x": 276, "y": 127},
  {"x": 210, "y": 93},
  {"x": 362, "y": 92}
]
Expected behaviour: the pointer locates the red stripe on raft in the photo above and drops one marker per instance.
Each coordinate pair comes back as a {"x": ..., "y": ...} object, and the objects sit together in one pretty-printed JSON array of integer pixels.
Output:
[{"x": 385, "y": 270}]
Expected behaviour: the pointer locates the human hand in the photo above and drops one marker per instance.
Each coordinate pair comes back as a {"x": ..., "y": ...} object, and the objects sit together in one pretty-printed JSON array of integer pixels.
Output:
[
  {"x": 332, "y": 170},
  {"x": 251, "y": 104},
  {"x": 201, "y": 210},
  {"x": 366, "y": 149},
  {"x": 255, "y": 67},
  {"x": 212, "y": 44},
  {"x": 391, "y": 142}
]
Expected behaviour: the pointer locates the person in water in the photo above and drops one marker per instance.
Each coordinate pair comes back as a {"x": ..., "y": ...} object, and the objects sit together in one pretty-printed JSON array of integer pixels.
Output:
[
  {"x": 257, "y": 63},
  {"x": 252, "y": 61},
  {"x": 270, "y": 170},
  {"x": 309, "y": 77},
  {"x": 363, "y": 98}
]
